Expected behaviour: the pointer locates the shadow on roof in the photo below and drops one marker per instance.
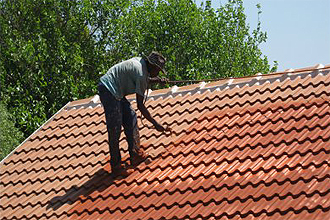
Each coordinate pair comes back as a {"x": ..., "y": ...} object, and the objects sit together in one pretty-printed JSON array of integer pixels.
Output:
[{"x": 100, "y": 181}]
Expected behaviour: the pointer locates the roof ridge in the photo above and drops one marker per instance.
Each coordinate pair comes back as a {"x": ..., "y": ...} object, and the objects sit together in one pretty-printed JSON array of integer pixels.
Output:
[
  {"x": 203, "y": 86},
  {"x": 231, "y": 83}
]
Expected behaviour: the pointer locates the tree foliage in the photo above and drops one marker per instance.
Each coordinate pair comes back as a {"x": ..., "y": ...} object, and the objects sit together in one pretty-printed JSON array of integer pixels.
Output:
[
  {"x": 10, "y": 137},
  {"x": 54, "y": 51},
  {"x": 199, "y": 42},
  {"x": 48, "y": 57}
]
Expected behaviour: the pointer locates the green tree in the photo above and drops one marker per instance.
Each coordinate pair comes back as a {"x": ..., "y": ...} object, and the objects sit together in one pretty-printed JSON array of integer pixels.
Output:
[
  {"x": 54, "y": 51},
  {"x": 200, "y": 42},
  {"x": 10, "y": 136},
  {"x": 51, "y": 53}
]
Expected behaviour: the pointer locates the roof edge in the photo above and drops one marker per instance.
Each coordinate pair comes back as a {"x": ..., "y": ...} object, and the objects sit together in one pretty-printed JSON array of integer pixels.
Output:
[{"x": 51, "y": 118}]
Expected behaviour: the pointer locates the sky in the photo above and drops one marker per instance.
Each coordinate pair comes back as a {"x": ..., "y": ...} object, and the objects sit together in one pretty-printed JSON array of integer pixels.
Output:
[{"x": 298, "y": 31}]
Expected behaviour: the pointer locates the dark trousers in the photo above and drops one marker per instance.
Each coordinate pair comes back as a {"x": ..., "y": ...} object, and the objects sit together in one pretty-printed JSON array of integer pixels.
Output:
[{"x": 119, "y": 113}]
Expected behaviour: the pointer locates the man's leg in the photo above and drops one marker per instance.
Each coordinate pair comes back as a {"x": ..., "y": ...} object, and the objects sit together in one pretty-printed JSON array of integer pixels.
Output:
[
  {"x": 113, "y": 116},
  {"x": 130, "y": 127},
  {"x": 131, "y": 130}
]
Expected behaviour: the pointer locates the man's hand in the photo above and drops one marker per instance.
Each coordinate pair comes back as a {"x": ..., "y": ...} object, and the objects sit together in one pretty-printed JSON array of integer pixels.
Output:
[
  {"x": 160, "y": 128},
  {"x": 146, "y": 114}
]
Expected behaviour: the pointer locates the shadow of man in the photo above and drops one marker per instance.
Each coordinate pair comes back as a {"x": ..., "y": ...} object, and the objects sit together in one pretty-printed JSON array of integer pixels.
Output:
[{"x": 100, "y": 181}]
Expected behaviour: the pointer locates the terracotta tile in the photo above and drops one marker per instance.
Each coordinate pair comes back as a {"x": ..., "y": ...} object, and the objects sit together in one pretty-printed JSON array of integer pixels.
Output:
[{"x": 242, "y": 148}]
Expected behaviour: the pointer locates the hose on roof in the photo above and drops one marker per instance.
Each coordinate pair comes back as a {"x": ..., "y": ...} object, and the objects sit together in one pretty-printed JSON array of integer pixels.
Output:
[{"x": 192, "y": 81}]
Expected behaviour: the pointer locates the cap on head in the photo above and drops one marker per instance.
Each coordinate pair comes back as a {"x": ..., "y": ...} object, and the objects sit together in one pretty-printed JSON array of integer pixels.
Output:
[{"x": 157, "y": 59}]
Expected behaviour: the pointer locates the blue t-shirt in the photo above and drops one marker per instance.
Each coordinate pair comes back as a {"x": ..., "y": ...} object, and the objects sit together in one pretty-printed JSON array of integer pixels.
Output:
[{"x": 127, "y": 77}]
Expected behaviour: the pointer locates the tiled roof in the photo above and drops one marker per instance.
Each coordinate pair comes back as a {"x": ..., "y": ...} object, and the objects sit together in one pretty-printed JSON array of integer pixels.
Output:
[{"x": 240, "y": 148}]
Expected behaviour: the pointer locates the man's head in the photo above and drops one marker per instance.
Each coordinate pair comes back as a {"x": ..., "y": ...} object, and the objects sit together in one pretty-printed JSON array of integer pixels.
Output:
[{"x": 156, "y": 63}]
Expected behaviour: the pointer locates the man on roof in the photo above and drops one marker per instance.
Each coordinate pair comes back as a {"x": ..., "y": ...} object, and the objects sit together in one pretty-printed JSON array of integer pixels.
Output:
[{"x": 125, "y": 78}]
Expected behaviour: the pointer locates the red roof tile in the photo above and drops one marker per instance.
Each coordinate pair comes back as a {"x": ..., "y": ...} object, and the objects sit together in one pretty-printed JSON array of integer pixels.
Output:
[{"x": 243, "y": 147}]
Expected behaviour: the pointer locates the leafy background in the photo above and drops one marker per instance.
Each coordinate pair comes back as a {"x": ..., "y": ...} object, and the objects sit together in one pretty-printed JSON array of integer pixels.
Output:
[{"x": 54, "y": 51}]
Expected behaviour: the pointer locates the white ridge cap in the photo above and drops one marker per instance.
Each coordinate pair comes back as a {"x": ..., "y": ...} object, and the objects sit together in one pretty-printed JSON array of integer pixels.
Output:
[
  {"x": 230, "y": 81},
  {"x": 202, "y": 85},
  {"x": 289, "y": 70},
  {"x": 258, "y": 76},
  {"x": 319, "y": 66},
  {"x": 95, "y": 99},
  {"x": 174, "y": 89}
]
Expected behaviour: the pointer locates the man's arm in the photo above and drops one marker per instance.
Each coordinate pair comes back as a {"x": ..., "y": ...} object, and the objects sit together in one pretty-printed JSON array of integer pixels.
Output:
[{"x": 146, "y": 114}]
